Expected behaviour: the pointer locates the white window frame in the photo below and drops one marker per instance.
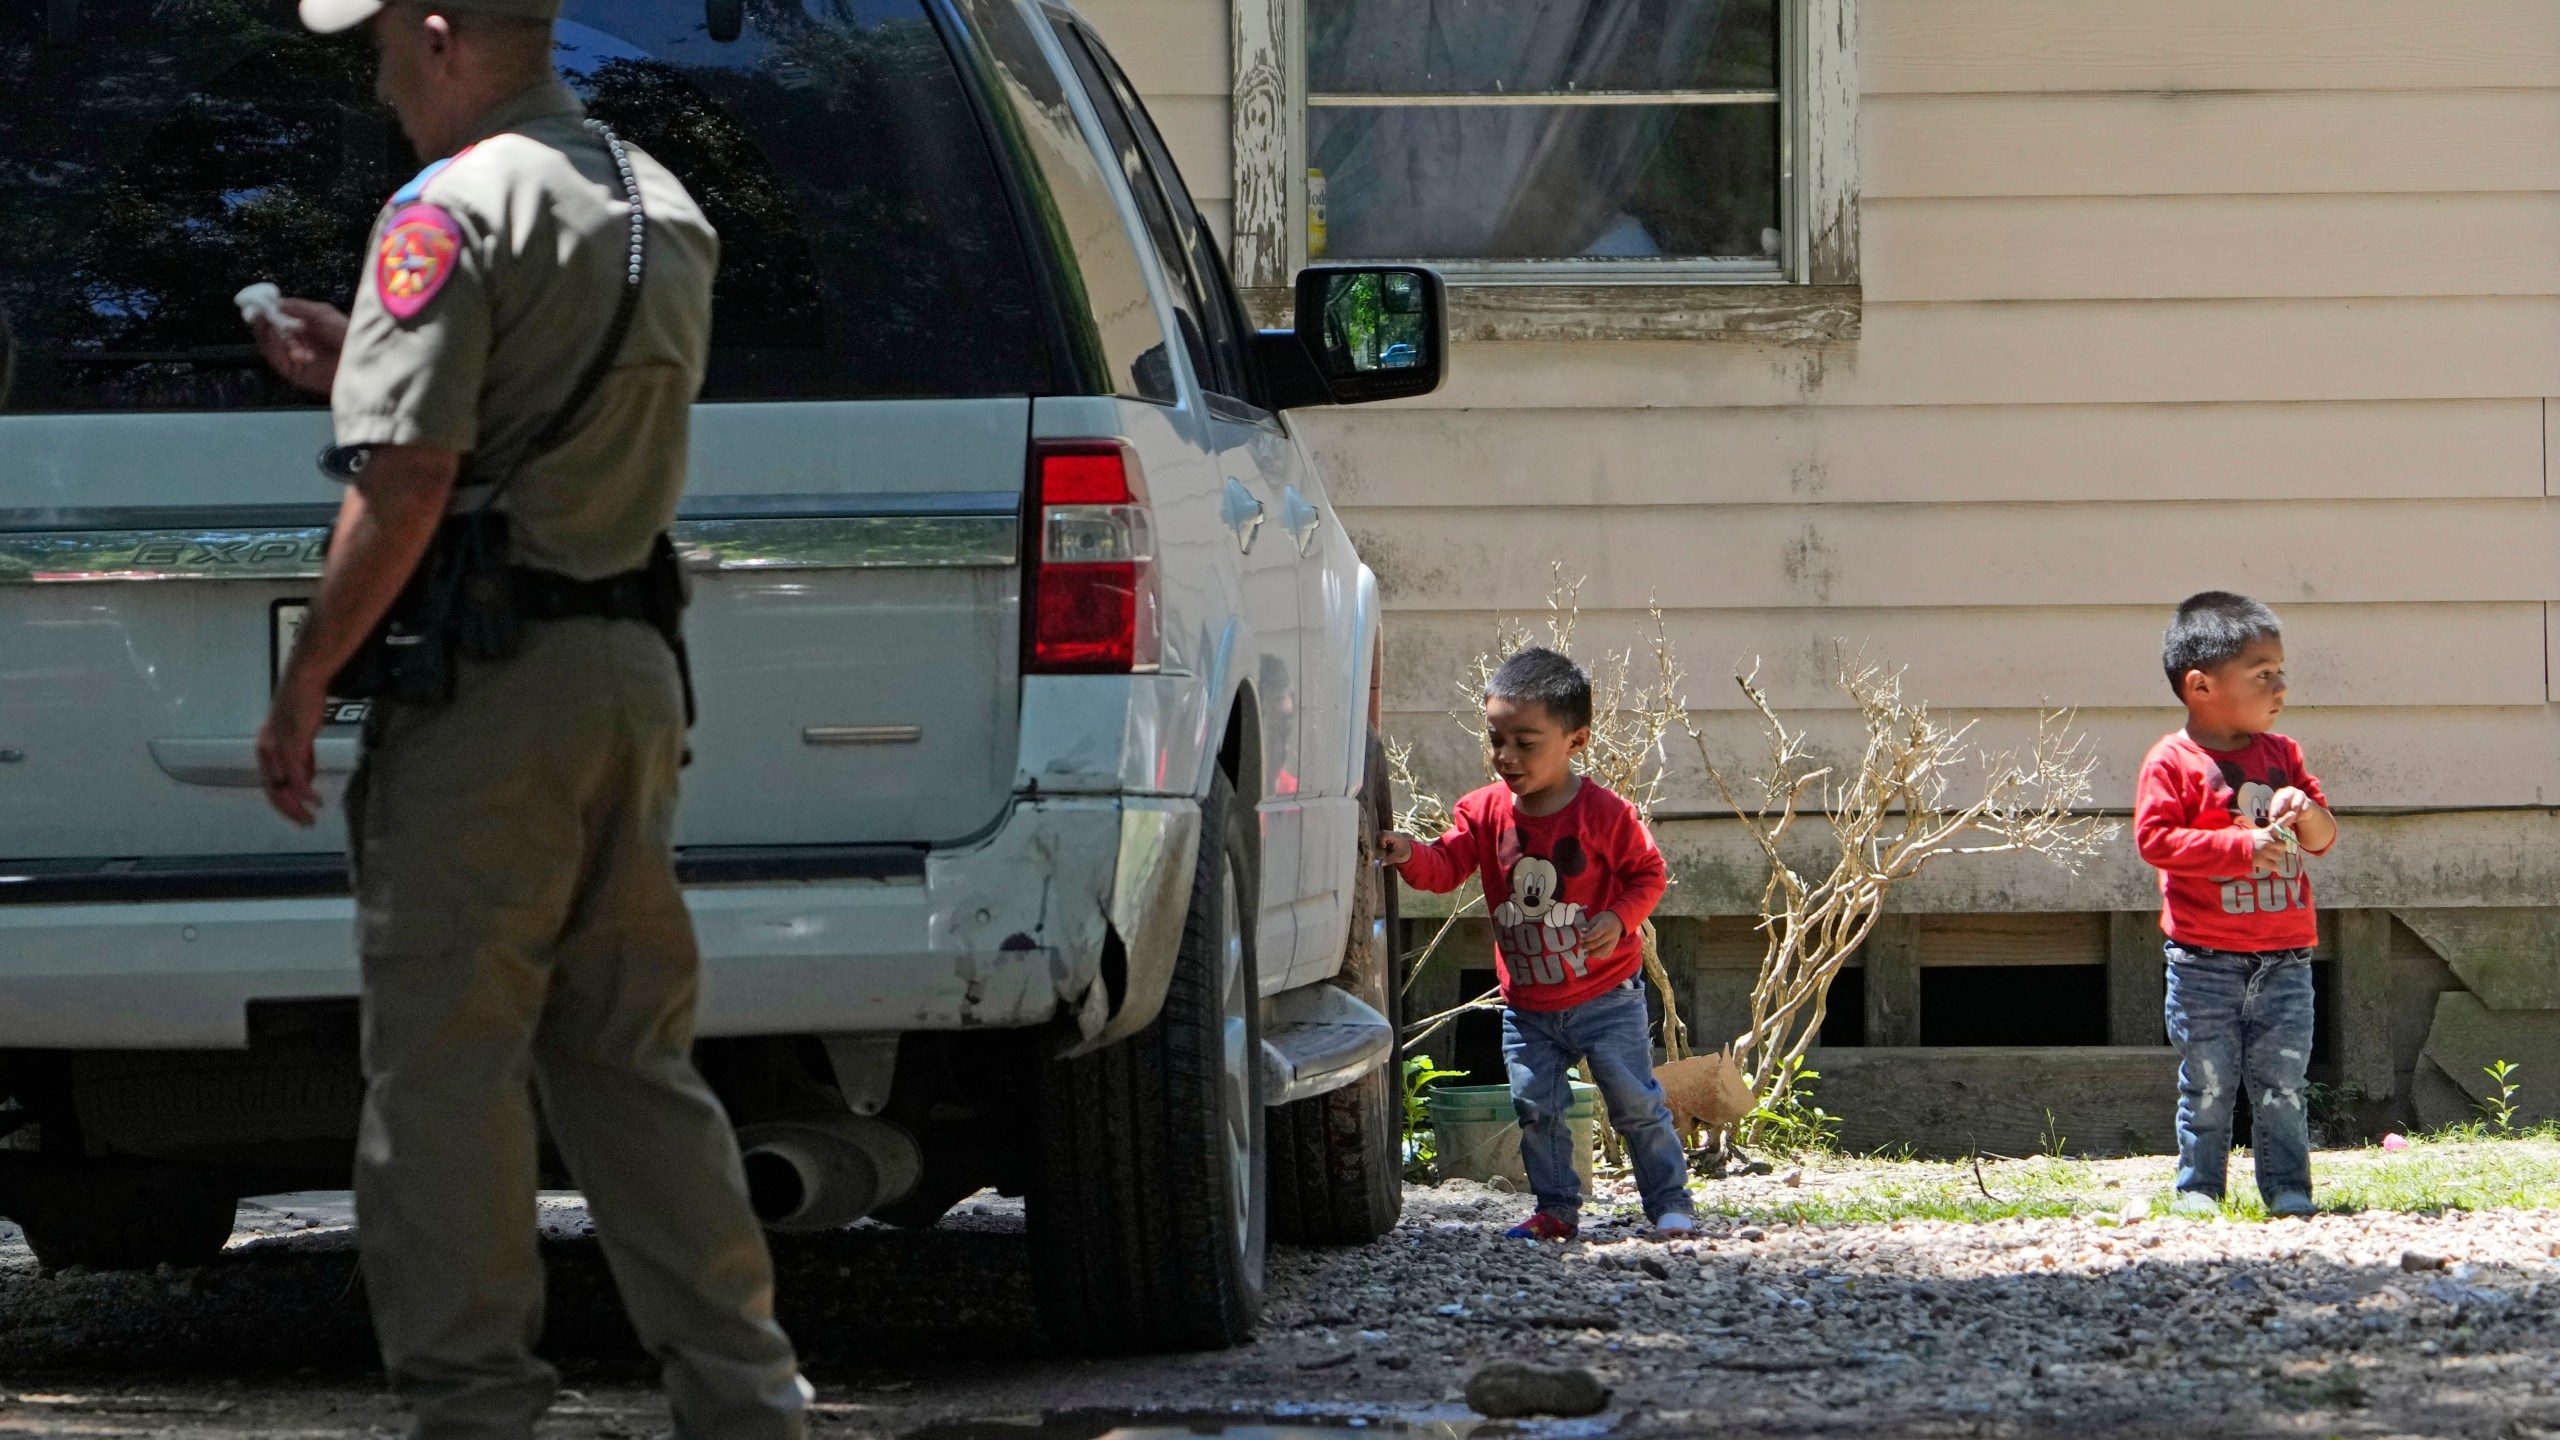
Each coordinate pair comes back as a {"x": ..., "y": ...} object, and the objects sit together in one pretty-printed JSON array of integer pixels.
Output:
[{"x": 1818, "y": 164}]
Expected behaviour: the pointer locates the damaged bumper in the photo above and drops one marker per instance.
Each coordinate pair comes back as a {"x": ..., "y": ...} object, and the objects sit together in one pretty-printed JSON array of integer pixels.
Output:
[
  {"x": 1015, "y": 930},
  {"x": 1010, "y": 932}
]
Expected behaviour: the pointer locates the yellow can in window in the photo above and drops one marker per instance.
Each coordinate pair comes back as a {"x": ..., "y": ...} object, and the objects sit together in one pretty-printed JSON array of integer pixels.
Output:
[{"x": 1315, "y": 213}]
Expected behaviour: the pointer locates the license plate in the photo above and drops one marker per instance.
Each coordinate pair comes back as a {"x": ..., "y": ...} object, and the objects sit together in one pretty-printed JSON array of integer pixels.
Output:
[{"x": 284, "y": 626}]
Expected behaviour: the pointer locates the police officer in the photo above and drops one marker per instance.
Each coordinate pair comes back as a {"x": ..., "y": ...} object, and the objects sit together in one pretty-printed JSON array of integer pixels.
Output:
[{"x": 517, "y": 909}]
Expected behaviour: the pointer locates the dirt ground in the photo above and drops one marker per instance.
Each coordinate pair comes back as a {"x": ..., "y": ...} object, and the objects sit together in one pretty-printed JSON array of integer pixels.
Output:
[{"x": 1915, "y": 1328}]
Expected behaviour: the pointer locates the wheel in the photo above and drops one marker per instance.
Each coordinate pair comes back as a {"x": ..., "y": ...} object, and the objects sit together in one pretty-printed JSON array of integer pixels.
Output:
[
  {"x": 119, "y": 1217},
  {"x": 1337, "y": 1160},
  {"x": 1146, "y": 1214}
]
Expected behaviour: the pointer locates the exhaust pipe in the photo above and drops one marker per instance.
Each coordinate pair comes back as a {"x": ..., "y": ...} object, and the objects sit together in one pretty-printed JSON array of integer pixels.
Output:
[{"x": 825, "y": 1172}]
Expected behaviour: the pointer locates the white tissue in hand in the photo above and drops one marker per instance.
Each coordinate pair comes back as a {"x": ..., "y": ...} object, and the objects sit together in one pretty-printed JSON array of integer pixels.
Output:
[{"x": 264, "y": 300}]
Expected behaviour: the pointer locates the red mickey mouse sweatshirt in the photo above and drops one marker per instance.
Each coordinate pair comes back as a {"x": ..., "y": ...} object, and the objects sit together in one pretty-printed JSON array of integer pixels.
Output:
[
  {"x": 2192, "y": 812},
  {"x": 1545, "y": 878}
]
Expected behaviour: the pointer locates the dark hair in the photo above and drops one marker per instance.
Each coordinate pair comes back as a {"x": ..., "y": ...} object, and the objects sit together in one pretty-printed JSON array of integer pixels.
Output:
[
  {"x": 2211, "y": 629},
  {"x": 1548, "y": 678}
]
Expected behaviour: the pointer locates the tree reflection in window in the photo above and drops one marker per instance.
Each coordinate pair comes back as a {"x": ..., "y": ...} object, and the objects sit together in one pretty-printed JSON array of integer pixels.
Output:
[
  {"x": 179, "y": 149},
  {"x": 145, "y": 209},
  {"x": 867, "y": 248}
]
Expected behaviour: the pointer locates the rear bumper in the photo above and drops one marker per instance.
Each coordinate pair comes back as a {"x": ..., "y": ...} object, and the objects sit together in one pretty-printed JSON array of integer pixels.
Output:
[{"x": 1006, "y": 933}]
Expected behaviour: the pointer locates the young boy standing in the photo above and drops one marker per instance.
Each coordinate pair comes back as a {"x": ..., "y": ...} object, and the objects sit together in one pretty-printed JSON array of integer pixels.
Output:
[
  {"x": 2225, "y": 810},
  {"x": 1570, "y": 875}
]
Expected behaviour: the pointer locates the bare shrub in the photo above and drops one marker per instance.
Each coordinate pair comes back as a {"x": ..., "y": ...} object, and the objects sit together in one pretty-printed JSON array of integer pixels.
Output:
[{"x": 1890, "y": 816}]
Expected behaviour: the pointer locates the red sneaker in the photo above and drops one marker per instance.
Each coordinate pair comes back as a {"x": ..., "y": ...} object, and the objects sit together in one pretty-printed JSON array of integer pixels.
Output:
[{"x": 1542, "y": 1226}]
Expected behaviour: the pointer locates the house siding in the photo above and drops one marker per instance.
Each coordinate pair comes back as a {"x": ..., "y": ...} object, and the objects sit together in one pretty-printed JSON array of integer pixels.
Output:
[{"x": 2155, "y": 296}]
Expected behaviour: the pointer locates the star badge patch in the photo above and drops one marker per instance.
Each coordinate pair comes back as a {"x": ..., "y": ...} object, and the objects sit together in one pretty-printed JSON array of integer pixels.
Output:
[{"x": 415, "y": 258}]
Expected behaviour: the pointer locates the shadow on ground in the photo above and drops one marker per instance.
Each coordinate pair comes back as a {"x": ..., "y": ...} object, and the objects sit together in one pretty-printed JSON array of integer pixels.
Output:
[
  {"x": 2303, "y": 1331},
  {"x": 293, "y": 1304}
]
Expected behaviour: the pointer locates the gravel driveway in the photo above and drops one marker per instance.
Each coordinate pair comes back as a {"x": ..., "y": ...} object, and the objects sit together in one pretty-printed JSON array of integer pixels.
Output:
[{"x": 2019, "y": 1327}]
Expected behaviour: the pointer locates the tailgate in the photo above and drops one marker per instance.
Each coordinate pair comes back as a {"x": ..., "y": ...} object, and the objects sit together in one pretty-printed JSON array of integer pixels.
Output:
[
  {"x": 853, "y": 629},
  {"x": 856, "y": 650}
]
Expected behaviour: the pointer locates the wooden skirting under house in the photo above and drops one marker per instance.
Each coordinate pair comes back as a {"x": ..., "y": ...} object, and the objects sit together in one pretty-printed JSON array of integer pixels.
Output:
[
  {"x": 2001, "y": 1100},
  {"x": 1950, "y": 1033}
]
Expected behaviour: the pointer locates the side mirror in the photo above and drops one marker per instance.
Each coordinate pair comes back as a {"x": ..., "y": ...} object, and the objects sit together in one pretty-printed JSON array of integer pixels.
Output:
[{"x": 1363, "y": 333}]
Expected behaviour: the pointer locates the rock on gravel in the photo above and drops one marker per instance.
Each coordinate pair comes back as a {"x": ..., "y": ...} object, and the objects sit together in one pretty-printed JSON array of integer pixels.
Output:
[{"x": 1507, "y": 1390}]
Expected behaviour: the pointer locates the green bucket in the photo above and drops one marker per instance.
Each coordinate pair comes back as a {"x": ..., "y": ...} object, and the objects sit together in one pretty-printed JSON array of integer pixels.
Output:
[{"x": 1477, "y": 1133}]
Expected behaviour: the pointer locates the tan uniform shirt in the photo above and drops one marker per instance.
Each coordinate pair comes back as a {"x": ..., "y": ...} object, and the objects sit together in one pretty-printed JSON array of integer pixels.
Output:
[{"x": 487, "y": 293}]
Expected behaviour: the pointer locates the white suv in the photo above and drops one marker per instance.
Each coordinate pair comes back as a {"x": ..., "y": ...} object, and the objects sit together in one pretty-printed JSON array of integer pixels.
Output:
[{"x": 1025, "y": 830}]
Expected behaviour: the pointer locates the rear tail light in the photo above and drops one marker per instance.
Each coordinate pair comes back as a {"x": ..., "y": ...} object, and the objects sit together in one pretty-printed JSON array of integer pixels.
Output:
[{"x": 1092, "y": 578}]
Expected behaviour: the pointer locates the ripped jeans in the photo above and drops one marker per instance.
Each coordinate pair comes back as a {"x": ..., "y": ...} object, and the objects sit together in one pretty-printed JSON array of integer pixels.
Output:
[
  {"x": 1540, "y": 1048},
  {"x": 2241, "y": 1019}
]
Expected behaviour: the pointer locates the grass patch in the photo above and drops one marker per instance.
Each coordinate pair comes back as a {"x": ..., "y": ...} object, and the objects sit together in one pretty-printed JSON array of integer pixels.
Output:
[
  {"x": 2462, "y": 1169},
  {"x": 2452, "y": 1172}
]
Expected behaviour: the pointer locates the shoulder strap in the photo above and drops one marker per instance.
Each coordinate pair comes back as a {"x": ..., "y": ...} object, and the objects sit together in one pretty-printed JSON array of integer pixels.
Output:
[{"x": 556, "y": 428}]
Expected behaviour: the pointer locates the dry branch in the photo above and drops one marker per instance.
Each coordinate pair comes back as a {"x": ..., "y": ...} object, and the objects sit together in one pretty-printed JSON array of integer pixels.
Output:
[{"x": 1889, "y": 818}]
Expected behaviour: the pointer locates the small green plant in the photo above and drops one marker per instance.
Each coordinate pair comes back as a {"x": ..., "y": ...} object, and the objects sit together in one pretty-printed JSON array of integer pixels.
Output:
[
  {"x": 1791, "y": 1123},
  {"x": 1420, "y": 1074},
  {"x": 2056, "y": 1145},
  {"x": 2498, "y": 1107},
  {"x": 2334, "y": 1111}
]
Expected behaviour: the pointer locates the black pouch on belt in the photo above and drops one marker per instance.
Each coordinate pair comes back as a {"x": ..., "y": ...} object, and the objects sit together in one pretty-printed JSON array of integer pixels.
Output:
[
  {"x": 460, "y": 600},
  {"x": 488, "y": 618}
]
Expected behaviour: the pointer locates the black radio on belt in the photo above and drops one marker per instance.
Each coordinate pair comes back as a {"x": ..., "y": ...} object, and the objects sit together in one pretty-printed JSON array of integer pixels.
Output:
[{"x": 465, "y": 598}]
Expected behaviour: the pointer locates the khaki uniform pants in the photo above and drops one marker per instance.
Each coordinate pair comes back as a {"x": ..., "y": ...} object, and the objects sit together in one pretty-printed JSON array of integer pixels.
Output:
[{"x": 521, "y": 928}]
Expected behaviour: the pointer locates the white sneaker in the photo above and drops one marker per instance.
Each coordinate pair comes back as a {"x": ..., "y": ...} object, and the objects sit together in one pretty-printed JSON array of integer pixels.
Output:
[
  {"x": 2195, "y": 1205},
  {"x": 1675, "y": 1225}
]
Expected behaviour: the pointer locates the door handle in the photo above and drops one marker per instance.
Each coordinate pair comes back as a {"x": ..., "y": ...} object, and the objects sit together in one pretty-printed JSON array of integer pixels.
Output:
[
  {"x": 1300, "y": 519},
  {"x": 1242, "y": 514},
  {"x": 232, "y": 761}
]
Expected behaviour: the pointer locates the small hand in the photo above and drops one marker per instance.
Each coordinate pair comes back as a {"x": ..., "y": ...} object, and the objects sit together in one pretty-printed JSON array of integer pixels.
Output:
[
  {"x": 2269, "y": 848},
  {"x": 2287, "y": 806},
  {"x": 1601, "y": 935},
  {"x": 285, "y": 762},
  {"x": 1394, "y": 847},
  {"x": 306, "y": 356}
]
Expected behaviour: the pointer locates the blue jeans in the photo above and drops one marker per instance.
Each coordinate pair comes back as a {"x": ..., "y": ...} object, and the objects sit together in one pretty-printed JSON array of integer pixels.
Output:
[
  {"x": 2241, "y": 1019},
  {"x": 1611, "y": 1030}
]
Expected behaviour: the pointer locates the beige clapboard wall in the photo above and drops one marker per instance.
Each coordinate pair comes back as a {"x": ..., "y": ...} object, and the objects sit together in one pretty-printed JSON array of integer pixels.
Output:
[{"x": 2158, "y": 295}]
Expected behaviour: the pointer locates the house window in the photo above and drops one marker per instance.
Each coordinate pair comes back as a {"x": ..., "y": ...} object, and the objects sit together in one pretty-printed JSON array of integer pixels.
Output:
[
  {"x": 1622, "y": 148},
  {"x": 1606, "y": 137}
]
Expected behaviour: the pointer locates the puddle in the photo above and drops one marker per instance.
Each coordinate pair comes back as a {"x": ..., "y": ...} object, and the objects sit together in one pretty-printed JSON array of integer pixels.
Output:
[{"x": 1158, "y": 1425}]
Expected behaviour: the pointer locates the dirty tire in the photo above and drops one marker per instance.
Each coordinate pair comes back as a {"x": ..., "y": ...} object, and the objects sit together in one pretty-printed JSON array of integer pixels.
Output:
[
  {"x": 1144, "y": 1236},
  {"x": 1337, "y": 1160},
  {"x": 124, "y": 1217}
]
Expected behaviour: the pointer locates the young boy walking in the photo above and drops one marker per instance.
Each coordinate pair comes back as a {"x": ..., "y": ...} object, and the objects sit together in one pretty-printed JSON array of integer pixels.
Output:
[
  {"x": 1569, "y": 876},
  {"x": 2225, "y": 811}
]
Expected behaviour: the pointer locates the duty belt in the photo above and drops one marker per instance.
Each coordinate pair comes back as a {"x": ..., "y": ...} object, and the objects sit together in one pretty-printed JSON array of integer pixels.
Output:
[{"x": 549, "y": 595}]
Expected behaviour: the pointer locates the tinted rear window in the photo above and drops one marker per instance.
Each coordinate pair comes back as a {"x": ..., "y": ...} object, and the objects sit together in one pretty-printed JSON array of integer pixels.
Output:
[{"x": 155, "y": 157}]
